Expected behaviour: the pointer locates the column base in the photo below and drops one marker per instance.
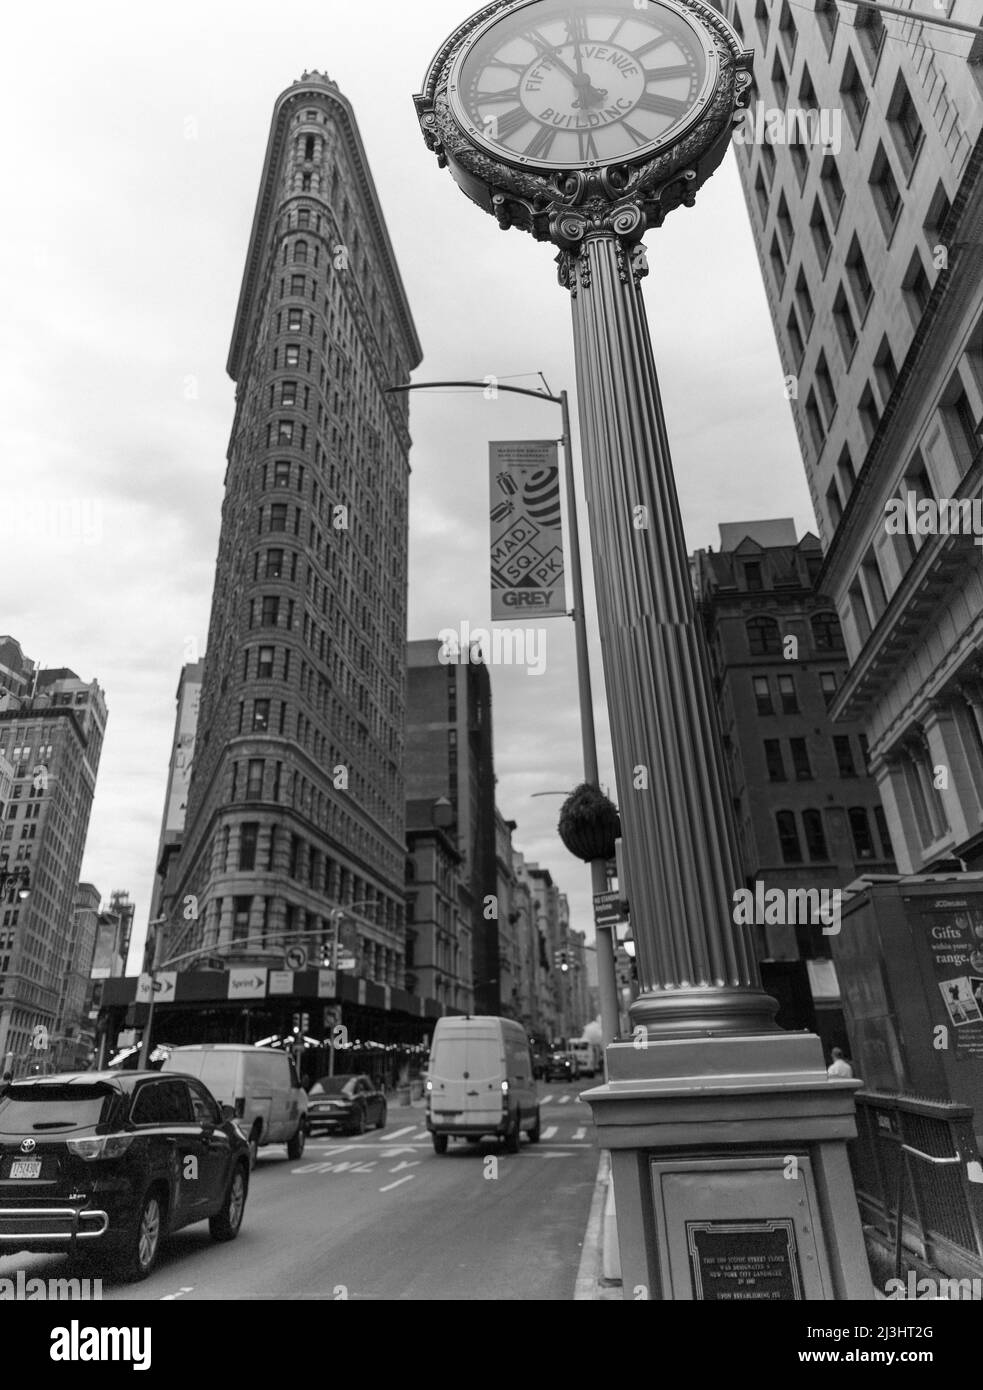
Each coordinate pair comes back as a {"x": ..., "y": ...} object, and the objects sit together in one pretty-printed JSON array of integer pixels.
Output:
[
  {"x": 707, "y": 1011},
  {"x": 730, "y": 1170}
]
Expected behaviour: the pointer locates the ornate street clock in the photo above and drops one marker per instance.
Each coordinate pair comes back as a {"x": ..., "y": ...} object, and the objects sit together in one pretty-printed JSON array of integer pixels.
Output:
[{"x": 547, "y": 108}]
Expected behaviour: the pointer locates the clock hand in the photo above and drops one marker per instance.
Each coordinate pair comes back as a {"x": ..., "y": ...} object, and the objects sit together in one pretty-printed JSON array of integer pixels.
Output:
[{"x": 545, "y": 51}]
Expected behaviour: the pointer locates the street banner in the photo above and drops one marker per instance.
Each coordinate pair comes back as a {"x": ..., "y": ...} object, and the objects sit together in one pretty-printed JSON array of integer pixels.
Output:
[
  {"x": 526, "y": 529},
  {"x": 247, "y": 983},
  {"x": 166, "y": 985},
  {"x": 281, "y": 982}
]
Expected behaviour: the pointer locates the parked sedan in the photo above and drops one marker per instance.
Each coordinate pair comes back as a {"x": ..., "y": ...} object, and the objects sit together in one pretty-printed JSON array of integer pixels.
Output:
[
  {"x": 345, "y": 1102},
  {"x": 111, "y": 1162}
]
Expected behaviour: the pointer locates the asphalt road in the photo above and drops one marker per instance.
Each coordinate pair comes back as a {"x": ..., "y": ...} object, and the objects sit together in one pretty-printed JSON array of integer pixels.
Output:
[{"x": 383, "y": 1217}]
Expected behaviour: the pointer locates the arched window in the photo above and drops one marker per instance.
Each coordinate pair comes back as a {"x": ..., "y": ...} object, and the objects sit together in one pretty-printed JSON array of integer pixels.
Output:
[
  {"x": 826, "y": 632},
  {"x": 812, "y": 824},
  {"x": 764, "y": 638},
  {"x": 788, "y": 837},
  {"x": 300, "y": 253}
]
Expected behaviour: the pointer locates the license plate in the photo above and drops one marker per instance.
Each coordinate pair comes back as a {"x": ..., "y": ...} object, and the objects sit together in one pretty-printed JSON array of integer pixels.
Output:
[{"x": 26, "y": 1168}]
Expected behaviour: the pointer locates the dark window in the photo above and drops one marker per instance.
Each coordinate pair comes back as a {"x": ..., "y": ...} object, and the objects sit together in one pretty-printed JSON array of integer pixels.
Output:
[
  {"x": 285, "y": 431},
  {"x": 762, "y": 695},
  {"x": 876, "y": 596},
  {"x": 815, "y": 422},
  {"x": 773, "y": 760},
  {"x": 752, "y": 575},
  {"x": 783, "y": 221},
  {"x": 248, "y": 836},
  {"x": 858, "y": 606},
  {"x": 863, "y": 290},
  {"x": 812, "y": 824},
  {"x": 916, "y": 286},
  {"x": 300, "y": 252},
  {"x": 764, "y": 637},
  {"x": 905, "y": 125},
  {"x": 264, "y": 663},
  {"x": 800, "y": 760},
  {"x": 845, "y": 330},
  {"x": 829, "y": 17},
  {"x": 845, "y": 765},
  {"x": 820, "y": 234},
  {"x": 804, "y": 300},
  {"x": 274, "y": 558},
  {"x": 863, "y": 844},
  {"x": 787, "y": 696},
  {"x": 278, "y": 517},
  {"x": 870, "y": 416},
  {"x": 261, "y": 716},
  {"x": 886, "y": 369},
  {"x": 854, "y": 94},
  {"x": 206, "y": 1110},
  {"x": 777, "y": 262},
  {"x": 288, "y": 393},
  {"x": 779, "y": 81},
  {"x": 827, "y": 395},
  {"x": 832, "y": 187},
  {"x": 761, "y": 193},
  {"x": 788, "y": 837},
  {"x": 795, "y": 338},
  {"x": 887, "y": 849},
  {"x": 884, "y": 186},
  {"x": 871, "y": 32},
  {"x": 162, "y": 1103},
  {"x": 295, "y": 320},
  {"x": 270, "y": 611},
  {"x": 254, "y": 779},
  {"x": 240, "y": 918},
  {"x": 826, "y": 633},
  {"x": 787, "y": 30}
]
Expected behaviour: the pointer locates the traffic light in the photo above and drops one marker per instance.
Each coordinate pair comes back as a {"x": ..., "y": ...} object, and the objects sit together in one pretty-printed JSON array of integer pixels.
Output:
[
  {"x": 296, "y": 1023},
  {"x": 564, "y": 962}
]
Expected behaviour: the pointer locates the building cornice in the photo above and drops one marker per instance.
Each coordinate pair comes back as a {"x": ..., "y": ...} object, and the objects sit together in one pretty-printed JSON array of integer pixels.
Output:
[{"x": 266, "y": 206}]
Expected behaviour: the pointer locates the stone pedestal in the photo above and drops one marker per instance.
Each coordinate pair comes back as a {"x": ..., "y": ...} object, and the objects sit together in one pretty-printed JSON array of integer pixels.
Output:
[{"x": 730, "y": 1170}]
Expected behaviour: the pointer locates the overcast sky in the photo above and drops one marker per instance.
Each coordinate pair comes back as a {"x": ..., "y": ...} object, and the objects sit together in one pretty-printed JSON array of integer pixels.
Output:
[{"x": 134, "y": 141}]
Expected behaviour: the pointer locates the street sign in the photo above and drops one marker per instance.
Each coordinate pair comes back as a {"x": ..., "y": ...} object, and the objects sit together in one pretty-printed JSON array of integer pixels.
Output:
[
  {"x": 345, "y": 962},
  {"x": 610, "y": 909},
  {"x": 281, "y": 982},
  {"x": 326, "y": 984},
  {"x": 295, "y": 958}
]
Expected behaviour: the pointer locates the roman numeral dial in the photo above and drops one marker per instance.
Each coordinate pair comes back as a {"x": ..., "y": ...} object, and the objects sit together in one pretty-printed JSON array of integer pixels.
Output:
[{"x": 566, "y": 87}]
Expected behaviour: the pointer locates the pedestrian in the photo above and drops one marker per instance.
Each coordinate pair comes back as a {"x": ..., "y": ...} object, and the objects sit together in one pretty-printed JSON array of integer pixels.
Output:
[{"x": 839, "y": 1066}]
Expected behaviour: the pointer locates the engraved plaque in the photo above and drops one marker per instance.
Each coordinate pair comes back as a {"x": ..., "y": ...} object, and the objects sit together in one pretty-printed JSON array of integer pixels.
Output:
[{"x": 733, "y": 1261}]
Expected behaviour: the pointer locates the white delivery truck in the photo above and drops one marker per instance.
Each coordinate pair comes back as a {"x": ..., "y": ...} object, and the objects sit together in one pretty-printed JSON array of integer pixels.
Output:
[
  {"x": 590, "y": 1059},
  {"x": 480, "y": 1082}
]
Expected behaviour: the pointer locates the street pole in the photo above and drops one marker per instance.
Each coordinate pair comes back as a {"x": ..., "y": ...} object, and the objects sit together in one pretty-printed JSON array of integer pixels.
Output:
[
  {"x": 148, "y": 1030},
  {"x": 606, "y": 976},
  {"x": 336, "y": 916}
]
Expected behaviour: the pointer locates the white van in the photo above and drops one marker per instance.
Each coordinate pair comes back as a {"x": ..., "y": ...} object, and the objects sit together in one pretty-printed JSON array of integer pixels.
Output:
[
  {"x": 590, "y": 1059},
  {"x": 480, "y": 1082},
  {"x": 259, "y": 1083}
]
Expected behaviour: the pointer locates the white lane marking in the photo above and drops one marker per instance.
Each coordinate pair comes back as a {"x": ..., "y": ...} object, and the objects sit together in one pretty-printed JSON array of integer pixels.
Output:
[
  {"x": 169, "y": 1297},
  {"x": 548, "y": 1132},
  {"x": 553, "y": 1154},
  {"x": 563, "y": 1100},
  {"x": 389, "y": 1187},
  {"x": 546, "y": 1100},
  {"x": 580, "y": 1133},
  {"x": 398, "y": 1133}
]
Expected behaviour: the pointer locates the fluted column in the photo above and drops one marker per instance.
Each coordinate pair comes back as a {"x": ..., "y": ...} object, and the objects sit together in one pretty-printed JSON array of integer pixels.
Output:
[{"x": 697, "y": 971}]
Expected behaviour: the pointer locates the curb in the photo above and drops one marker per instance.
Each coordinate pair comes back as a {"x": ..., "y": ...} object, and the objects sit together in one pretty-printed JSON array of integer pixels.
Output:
[{"x": 590, "y": 1274}]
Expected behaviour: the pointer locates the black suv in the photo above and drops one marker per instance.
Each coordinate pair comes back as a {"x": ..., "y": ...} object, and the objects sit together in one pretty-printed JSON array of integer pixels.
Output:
[{"x": 113, "y": 1161}]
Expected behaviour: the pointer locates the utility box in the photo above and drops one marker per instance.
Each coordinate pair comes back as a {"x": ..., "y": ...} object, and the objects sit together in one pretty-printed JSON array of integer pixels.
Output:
[{"x": 909, "y": 957}]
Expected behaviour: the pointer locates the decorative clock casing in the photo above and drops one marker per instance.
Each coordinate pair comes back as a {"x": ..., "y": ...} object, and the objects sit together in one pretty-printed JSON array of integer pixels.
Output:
[{"x": 563, "y": 116}]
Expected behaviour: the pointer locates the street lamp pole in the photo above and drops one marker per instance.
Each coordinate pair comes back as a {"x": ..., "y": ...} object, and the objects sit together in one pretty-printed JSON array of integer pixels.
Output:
[{"x": 606, "y": 978}]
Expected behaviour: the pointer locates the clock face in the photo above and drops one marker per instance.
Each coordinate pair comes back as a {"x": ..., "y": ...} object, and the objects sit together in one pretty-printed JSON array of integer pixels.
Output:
[{"x": 566, "y": 84}]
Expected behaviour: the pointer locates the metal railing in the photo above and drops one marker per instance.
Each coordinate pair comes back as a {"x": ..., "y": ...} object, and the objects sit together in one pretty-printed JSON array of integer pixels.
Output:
[{"x": 914, "y": 1161}]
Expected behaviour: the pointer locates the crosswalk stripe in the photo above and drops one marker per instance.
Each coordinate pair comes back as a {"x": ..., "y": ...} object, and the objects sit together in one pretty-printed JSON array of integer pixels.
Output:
[
  {"x": 548, "y": 1132},
  {"x": 546, "y": 1100},
  {"x": 563, "y": 1100},
  {"x": 579, "y": 1134},
  {"x": 395, "y": 1133}
]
